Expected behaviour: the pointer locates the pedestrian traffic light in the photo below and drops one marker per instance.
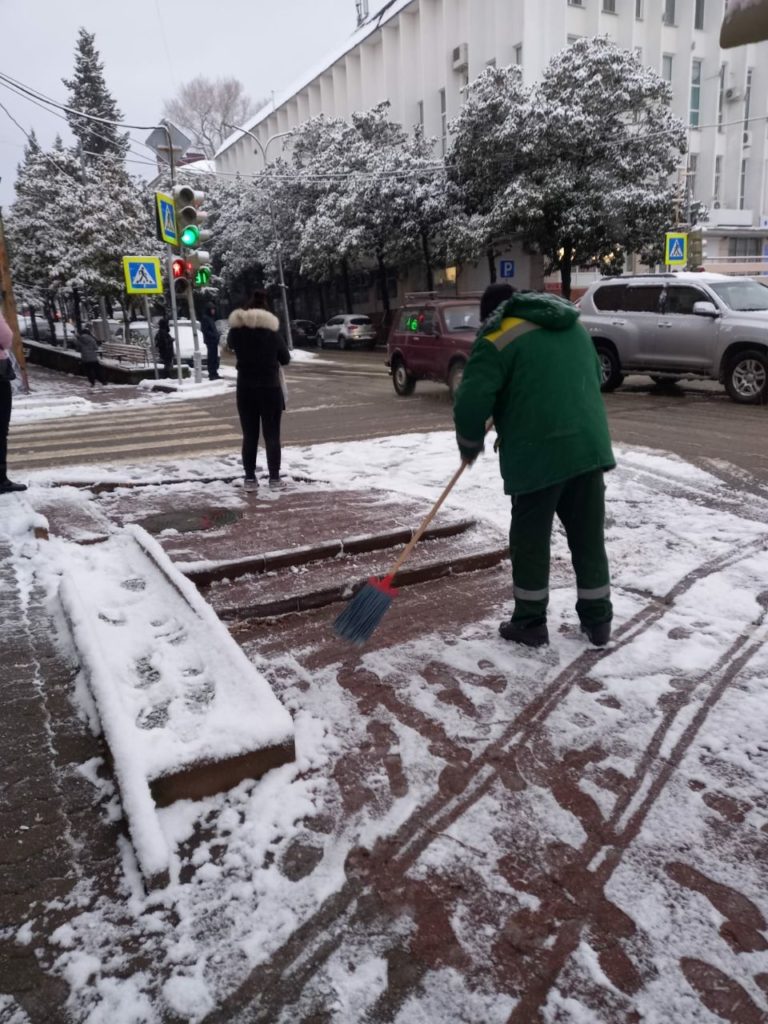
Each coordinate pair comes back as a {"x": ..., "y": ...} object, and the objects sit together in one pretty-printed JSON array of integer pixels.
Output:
[{"x": 198, "y": 267}]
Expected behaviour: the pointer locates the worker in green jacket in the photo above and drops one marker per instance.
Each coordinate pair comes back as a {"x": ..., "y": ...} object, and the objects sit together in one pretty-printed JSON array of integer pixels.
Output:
[{"x": 534, "y": 370}]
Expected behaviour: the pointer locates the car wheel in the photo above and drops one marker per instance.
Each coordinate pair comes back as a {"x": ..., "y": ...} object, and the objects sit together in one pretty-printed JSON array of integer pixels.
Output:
[
  {"x": 403, "y": 382},
  {"x": 455, "y": 377},
  {"x": 342, "y": 342},
  {"x": 746, "y": 379},
  {"x": 319, "y": 341},
  {"x": 610, "y": 367}
]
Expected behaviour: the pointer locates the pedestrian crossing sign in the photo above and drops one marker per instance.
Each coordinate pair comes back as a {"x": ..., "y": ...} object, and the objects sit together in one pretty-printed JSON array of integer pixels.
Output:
[
  {"x": 142, "y": 275},
  {"x": 675, "y": 249},
  {"x": 165, "y": 215}
]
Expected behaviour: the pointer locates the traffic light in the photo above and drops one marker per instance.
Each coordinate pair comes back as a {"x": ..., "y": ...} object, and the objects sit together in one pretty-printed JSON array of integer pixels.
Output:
[
  {"x": 190, "y": 219},
  {"x": 181, "y": 276}
]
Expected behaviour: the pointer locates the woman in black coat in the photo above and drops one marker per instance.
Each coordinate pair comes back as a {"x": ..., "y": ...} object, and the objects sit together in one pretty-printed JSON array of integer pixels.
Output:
[{"x": 254, "y": 336}]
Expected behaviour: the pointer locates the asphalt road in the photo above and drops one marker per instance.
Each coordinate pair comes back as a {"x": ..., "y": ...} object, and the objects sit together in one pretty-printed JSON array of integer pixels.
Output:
[{"x": 342, "y": 396}]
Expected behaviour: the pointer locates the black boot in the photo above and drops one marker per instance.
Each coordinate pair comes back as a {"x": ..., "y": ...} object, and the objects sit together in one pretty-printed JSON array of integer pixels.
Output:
[
  {"x": 530, "y": 632},
  {"x": 7, "y": 486},
  {"x": 599, "y": 633}
]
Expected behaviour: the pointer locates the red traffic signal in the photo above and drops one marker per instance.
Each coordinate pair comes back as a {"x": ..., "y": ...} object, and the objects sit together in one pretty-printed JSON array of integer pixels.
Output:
[{"x": 178, "y": 269}]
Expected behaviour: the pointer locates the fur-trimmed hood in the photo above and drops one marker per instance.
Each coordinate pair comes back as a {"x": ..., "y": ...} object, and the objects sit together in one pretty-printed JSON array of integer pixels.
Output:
[{"x": 254, "y": 318}]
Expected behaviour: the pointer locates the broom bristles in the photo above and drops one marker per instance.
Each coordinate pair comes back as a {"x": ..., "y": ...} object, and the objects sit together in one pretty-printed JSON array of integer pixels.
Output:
[{"x": 365, "y": 611}]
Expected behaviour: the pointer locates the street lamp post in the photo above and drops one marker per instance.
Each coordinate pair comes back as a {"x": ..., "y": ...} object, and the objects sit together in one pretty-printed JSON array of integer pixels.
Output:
[{"x": 264, "y": 149}]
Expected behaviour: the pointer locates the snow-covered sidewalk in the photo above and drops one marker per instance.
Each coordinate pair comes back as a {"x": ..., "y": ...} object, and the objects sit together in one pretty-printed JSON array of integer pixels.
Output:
[{"x": 471, "y": 832}]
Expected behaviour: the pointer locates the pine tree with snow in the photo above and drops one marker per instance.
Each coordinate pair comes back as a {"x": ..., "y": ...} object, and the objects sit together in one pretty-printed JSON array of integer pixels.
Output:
[{"x": 89, "y": 94}]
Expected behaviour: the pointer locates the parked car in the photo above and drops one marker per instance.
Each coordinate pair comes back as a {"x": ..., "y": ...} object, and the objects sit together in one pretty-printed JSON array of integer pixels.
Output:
[
  {"x": 303, "y": 332},
  {"x": 138, "y": 334},
  {"x": 693, "y": 325},
  {"x": 431, "y": 340},
  {"x": 347, "y": 330}
]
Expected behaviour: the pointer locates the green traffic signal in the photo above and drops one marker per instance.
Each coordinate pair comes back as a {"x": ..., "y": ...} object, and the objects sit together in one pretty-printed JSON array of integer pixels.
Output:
[
  {"x": 203, "y": 276},
  {"x": 190, "y": 236}
]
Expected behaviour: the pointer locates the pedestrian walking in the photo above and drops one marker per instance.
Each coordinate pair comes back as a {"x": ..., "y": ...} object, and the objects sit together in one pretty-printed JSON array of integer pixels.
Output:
[
  {"x": 89, "y": 356},
  {"x": 260, "y": 350},
  {"x": 534, "y": 369},
  {"x": 7, "y": 374},
  {"x": 211, "y": 337},
  {"x": 164, "y": 346}
]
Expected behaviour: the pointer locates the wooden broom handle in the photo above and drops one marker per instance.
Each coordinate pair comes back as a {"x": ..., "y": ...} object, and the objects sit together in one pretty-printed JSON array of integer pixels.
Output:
[{"x": 427, "y": 520}]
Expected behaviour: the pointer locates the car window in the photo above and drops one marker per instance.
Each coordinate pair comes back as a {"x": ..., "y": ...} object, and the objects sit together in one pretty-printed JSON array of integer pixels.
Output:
[
  {"x": 743, "y": 296},
  {"x": 335, "y": 321},
  {"x": 680, "y": 298},
  {"x": 427, "y": 321},
  {"x": 462, "y": 318},
  {"x": 610, "y": 297},
  {"x": 642, "y": 298},
  {"x": 409, "y": 321},
  {"x": 360, "y": 320}
]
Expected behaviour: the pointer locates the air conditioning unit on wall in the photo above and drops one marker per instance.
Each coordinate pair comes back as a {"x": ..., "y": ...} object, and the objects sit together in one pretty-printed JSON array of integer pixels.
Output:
[
  {"x": 746, "y": 139},
  {"x": 461, "y": 57},
  {"x": 733, "y": 94}
]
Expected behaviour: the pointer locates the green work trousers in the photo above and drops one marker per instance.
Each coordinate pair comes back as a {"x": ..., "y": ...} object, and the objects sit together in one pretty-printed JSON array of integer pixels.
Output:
[{"x": 580, "y": 506}]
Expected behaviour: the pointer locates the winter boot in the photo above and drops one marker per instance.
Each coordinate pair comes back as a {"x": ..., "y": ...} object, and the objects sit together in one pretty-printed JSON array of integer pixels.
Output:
[
  {"x": 8, "y": 486},
  {"x": 529, "y": 632},
  {"x": 251, "y": 483},
  {"x": 598, "y": 633},
  {"x": 276, "y": 484}
]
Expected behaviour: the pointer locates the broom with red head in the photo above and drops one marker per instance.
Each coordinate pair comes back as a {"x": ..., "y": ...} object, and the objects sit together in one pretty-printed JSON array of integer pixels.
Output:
[{"x": 368, "y": 607}]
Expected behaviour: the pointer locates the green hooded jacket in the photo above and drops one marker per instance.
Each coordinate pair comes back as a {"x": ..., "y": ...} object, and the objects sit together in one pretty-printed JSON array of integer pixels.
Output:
[{"x": 534, "y": 369}]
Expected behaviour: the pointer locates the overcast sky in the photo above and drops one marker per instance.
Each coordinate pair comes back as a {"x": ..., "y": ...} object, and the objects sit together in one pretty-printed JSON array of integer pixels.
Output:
[{"x": 266, "y": 44}]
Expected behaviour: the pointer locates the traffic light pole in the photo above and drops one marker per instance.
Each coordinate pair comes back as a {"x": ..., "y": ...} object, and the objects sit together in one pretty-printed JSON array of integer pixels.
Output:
[
  {"x": 264, "y": 150},
  {"x": 174, "y": 310}
]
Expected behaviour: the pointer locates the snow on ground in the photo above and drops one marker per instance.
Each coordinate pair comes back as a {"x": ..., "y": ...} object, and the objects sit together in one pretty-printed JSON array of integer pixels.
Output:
[{"x": 685, "y": 552}]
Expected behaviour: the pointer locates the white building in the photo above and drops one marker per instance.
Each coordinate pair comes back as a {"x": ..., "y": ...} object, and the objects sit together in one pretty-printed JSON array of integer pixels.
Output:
[{"x": 418, "y": 54}]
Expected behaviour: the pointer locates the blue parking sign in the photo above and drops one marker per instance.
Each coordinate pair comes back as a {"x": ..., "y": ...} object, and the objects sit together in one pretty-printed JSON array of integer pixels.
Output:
[{"x": 507, "y": 268}]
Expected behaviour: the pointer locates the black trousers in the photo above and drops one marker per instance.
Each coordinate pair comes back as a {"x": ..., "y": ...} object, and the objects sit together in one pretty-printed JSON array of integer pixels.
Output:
[
  {"x": 6, "y": 400},
  {"x": 93, "y": 372},
  {"x": 213, "y": 359},
  {"x": 260, "y": 409}
]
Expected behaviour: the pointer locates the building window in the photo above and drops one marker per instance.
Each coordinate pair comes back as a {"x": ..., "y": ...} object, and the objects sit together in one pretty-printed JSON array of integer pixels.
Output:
[
  {"x": 698, "y": 14},
  {"x": 693, "y": 119},
  {"x": 720, "y": 95},
  {"x": 690, "y": 176},
  {"x": 420, "y": 112},
  {"x": 742, "y": 183},
  {"x": 443, "y": 122},
  {"x": 609, "y": 6},
  {"x": 639, "y": 53},
  {"x": 576, "y": 3},
  {"x": 669, "y": 12},
  {"x": 744, "y": 247},
  {"x": 717, "y": 184},
  {"x": 747, "y": 98},
  {"x": 666, "y": 67},
  {"x": 518, "y": 52},
  {"x": 638, "y": 10}
]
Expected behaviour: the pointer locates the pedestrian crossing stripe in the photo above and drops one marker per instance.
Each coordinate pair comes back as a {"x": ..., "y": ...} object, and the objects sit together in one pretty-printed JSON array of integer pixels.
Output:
[
  {"x": 142, "y": 275},
  {"x": 675, "y": 249}
]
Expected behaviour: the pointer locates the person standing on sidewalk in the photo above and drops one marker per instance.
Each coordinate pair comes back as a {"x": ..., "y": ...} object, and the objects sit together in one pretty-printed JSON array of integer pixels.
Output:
[
  {"x": 164, "y": 346},
  {"x": 534, "y": 370},
  {"x": 211, "y": 339},
  {"x": 89, "y": 356},
  {"x": 260, "y": 349},
  {"x": 7, "y": 374}
]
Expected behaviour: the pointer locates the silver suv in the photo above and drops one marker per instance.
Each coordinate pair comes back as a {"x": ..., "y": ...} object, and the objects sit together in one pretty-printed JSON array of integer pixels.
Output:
[
  {"x": 347, "y": 330},
  {"x": 671, "y": 326}
]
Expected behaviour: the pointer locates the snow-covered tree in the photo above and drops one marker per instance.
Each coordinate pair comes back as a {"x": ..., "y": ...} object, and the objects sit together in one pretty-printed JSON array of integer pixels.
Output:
[
  {"x": 89, "y": 94},
  {"x": 482, "y": 160}
]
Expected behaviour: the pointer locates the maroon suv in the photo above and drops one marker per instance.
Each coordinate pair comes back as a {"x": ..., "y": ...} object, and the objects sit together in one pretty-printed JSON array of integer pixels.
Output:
[{"x": 431, "y": 339}]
